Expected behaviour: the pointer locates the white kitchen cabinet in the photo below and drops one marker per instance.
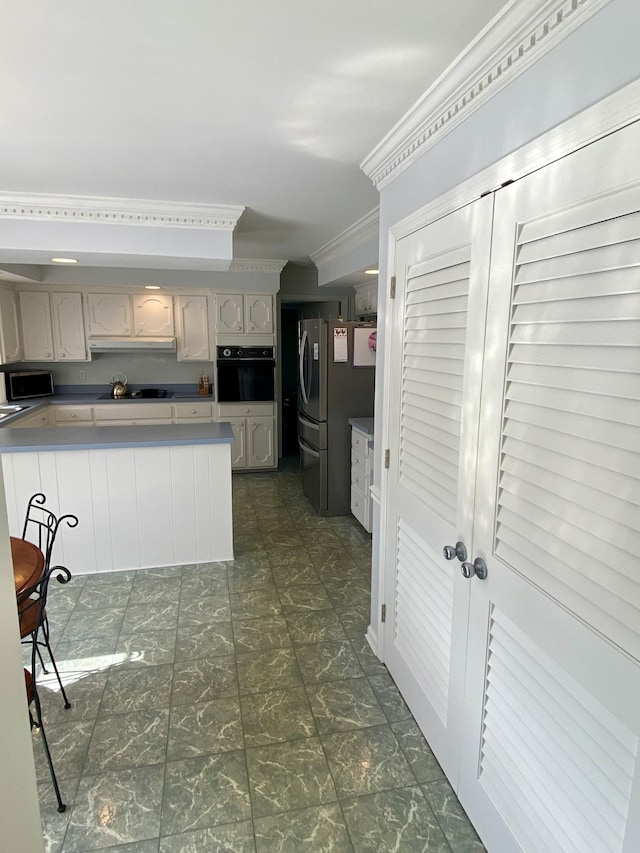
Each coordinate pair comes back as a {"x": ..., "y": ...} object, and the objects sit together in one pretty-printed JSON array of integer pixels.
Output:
[
  {"x": 253, "y": 425},
  {"x": 131, "y": 414},
  {"x": 192, "y": 328},
  {"x": 109, "y": 314},
  {"x": 258, "y": 314},
  {"x": 361, "y": 477},
  {"x": 10, "y": 343},
  {"x": 37, "y": 335},
  {"x": 69, "y": 343},
  {"x": 193, "y": 413},
  {"x": 260, "y": 444},
  {"x": 153, "y": 314},
  {"x": 71, "y": 415},
  {"x": 239, "y": 446},
  {"x": 230, "y": 314},
  {"x": 366, "y": 299},
  {"x": 40, "y": 418},
  {"x": 245, "y": 314}
]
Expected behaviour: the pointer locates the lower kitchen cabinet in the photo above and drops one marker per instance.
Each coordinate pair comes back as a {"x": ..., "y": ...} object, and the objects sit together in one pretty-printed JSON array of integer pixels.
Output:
[
  {"x": 253, "y": 428},
  {"x": 36, "y": 419},
  {"x": 71, "y": 415},
  {"x": 193, "y": 413},
  {"x": 131, "y": 414},
  {"x": 361, "y": 477}
]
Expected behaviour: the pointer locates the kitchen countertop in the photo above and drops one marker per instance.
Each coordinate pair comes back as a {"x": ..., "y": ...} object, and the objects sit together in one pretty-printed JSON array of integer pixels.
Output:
[
  {"x": 94, "y": 437},
  {"x": 363, "y": 424}
]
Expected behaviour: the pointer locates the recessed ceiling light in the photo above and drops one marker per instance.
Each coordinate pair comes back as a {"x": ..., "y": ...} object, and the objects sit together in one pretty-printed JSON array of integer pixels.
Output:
[
  {"x": 371, "y": 272},
  {"x": 152, "y": 287},
  {"x": 64, "y": 261}
]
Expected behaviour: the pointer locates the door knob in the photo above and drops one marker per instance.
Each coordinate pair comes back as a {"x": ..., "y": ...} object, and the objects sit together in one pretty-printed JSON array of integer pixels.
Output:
[
  {"x": 477, "y": 568},
  {"x": 459, "y": 551}
]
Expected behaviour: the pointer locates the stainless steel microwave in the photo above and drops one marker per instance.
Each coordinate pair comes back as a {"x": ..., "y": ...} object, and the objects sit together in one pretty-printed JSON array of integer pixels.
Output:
[{"x": 25, "y": 384}]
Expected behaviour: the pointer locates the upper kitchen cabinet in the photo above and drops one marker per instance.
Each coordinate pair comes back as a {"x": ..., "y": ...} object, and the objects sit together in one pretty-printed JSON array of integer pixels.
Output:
[
  {"x": 245, "y": 314},
  {"x": 52, "y": 326},
  {"x": 140, "y": 315},
  {"x": 109, "y": 314},
  {"x": 10, "y": 344},
  {"x": 192, "y": 328},
  {"x": 366, "y": 299},
  {"x": 153, "y": 314},
  {"x": 37, "y": 333},
  {"x": 67, "y": 324}
]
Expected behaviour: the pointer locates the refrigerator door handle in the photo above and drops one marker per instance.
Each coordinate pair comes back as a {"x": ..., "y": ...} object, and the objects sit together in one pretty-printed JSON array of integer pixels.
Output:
[
  {"x": 306, "y": 449},
  {"x": 309, "y": 424},
  {"x": 303, "y": 343}
]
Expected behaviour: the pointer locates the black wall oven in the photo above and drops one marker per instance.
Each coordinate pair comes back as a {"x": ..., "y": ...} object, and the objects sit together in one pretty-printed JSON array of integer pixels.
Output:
[{"x": 245, "y": 374}]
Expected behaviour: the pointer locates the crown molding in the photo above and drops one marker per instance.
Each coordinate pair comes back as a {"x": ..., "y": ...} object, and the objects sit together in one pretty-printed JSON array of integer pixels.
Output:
[
  {"x": 257, "y": 265},
  {"x": 119, "y": 211},
  {"x": 355, "y": 235},
  {"x": 517, "y": 37}
]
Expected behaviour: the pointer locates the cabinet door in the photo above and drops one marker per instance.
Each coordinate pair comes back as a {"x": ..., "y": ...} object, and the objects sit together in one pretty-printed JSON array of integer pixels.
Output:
[
  {"x": 436, "y": 363},
  {"x": 550, "y": 747},
  {"x": 261, "y": 447},
  {"x": 230, "y": 313},
  {"x": 153, "y": 314},
  {"x": 11, "y": 348},
  {"x": 239, "y": 446},
  {"x": 362, "y": 300},
  {"x": 68, "y": 327},
  {"x": 35, "y": 420},
  {"x": 192, "y": 328},
  {"x": 35, "y": 311},
  {"x": 109, "y": 314},
  {"x": 258, "y": 314}
]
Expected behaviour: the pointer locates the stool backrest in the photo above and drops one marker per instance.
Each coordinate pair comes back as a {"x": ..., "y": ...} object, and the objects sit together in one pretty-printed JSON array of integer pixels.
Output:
[{"x": 41, "y": 525}]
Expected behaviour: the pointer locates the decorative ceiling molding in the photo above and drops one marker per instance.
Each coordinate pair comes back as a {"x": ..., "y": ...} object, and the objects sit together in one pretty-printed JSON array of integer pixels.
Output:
[
  {"x": 355, "y": 235},
  {"x": 119, "y": 211},
  {"x": 257, "y": 265},
  {"x": 516, "y": 38}
]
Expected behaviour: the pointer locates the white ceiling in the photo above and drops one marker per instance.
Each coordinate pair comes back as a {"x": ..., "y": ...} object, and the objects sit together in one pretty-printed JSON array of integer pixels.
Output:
[{"x": 268, "y": 104}]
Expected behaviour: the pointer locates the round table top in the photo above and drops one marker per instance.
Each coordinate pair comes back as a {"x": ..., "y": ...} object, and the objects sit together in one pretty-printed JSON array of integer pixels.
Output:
[{"x": 28, "y": 563}]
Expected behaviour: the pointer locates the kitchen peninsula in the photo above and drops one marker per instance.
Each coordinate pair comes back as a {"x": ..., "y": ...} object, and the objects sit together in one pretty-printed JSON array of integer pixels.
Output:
[{"x": 158, "y": 496}]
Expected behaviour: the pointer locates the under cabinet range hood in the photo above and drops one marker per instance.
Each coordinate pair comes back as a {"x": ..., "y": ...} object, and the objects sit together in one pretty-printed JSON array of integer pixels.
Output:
[{"x": 122, "y": 343}]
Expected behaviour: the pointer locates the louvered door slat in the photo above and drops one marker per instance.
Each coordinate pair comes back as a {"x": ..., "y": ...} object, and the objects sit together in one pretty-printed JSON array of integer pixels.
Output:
[
  {"x": 589, "y": 380},
  {"x": 578, "y": 334},
  {"x": 595, "y": 405},
  {"x": 618, "y": 257},
  {"x": 605, "y": 283},
  {"x": 581, "y": 426},
  {"x": 588, "y": 236},
  {"x": 618, "y": 358}
]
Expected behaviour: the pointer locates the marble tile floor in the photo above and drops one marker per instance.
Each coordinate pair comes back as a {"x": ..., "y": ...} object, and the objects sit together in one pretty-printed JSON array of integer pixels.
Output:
[{"x": 237, "y": 706}]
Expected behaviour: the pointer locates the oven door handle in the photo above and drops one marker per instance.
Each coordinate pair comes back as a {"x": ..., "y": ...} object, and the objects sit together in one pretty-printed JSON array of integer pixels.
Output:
[
  {"x": 304, "y": 447},
  {"x": 303, "y": 343}
]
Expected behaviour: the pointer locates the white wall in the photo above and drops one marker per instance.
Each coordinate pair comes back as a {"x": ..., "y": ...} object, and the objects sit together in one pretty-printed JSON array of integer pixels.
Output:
[
  {"x": 599, "y": 58},
  {"x": 148, "y": 368}
]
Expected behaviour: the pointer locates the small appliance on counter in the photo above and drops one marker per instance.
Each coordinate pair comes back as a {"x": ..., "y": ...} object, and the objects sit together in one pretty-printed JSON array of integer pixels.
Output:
[
  {"x": 119, "y": 386},
  {"x": 25, "y": 384}
]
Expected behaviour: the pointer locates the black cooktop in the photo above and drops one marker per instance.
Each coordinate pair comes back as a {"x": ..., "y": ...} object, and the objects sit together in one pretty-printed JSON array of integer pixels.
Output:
[{"x": 144, "y": 394}]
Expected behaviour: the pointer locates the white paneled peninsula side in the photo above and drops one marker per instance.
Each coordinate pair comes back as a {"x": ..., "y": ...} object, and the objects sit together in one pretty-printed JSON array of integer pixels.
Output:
[{"x": 162, "y": 498}]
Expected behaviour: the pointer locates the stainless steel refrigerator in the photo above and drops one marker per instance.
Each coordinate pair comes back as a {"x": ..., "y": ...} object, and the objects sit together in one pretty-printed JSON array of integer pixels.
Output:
[{"x": 331, "y": 390}]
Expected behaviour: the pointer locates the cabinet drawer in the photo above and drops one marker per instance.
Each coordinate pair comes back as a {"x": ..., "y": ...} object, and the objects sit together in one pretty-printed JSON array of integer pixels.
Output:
[
  {"x": 240, "y": 410},
  {"x": 361, "y": 481},
  {"x": 360, "y": 461},
  {"x": 361, "y": 508},
  {"x": 72, "y": 414},
  {"x": 188, "y": 411},
  {"x": 134, "y": 412},
  {"x": 360, "y": 442}
]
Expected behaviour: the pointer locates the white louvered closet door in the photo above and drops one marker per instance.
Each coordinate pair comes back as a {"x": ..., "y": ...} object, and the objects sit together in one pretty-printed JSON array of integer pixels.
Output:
[
  {"x": 552, "y": 705},
  {"x": 436, "y": 353}
]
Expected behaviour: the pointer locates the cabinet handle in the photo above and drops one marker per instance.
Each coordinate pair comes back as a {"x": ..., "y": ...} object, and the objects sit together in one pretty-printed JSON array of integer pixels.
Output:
[
  {"x": 73, "y": 415},
  {"x": 125, "y": 330},
  {"x": 47, "y": 355},
  {"x": 194, "y": 412},
  {"x": 61, "y": 355}
]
